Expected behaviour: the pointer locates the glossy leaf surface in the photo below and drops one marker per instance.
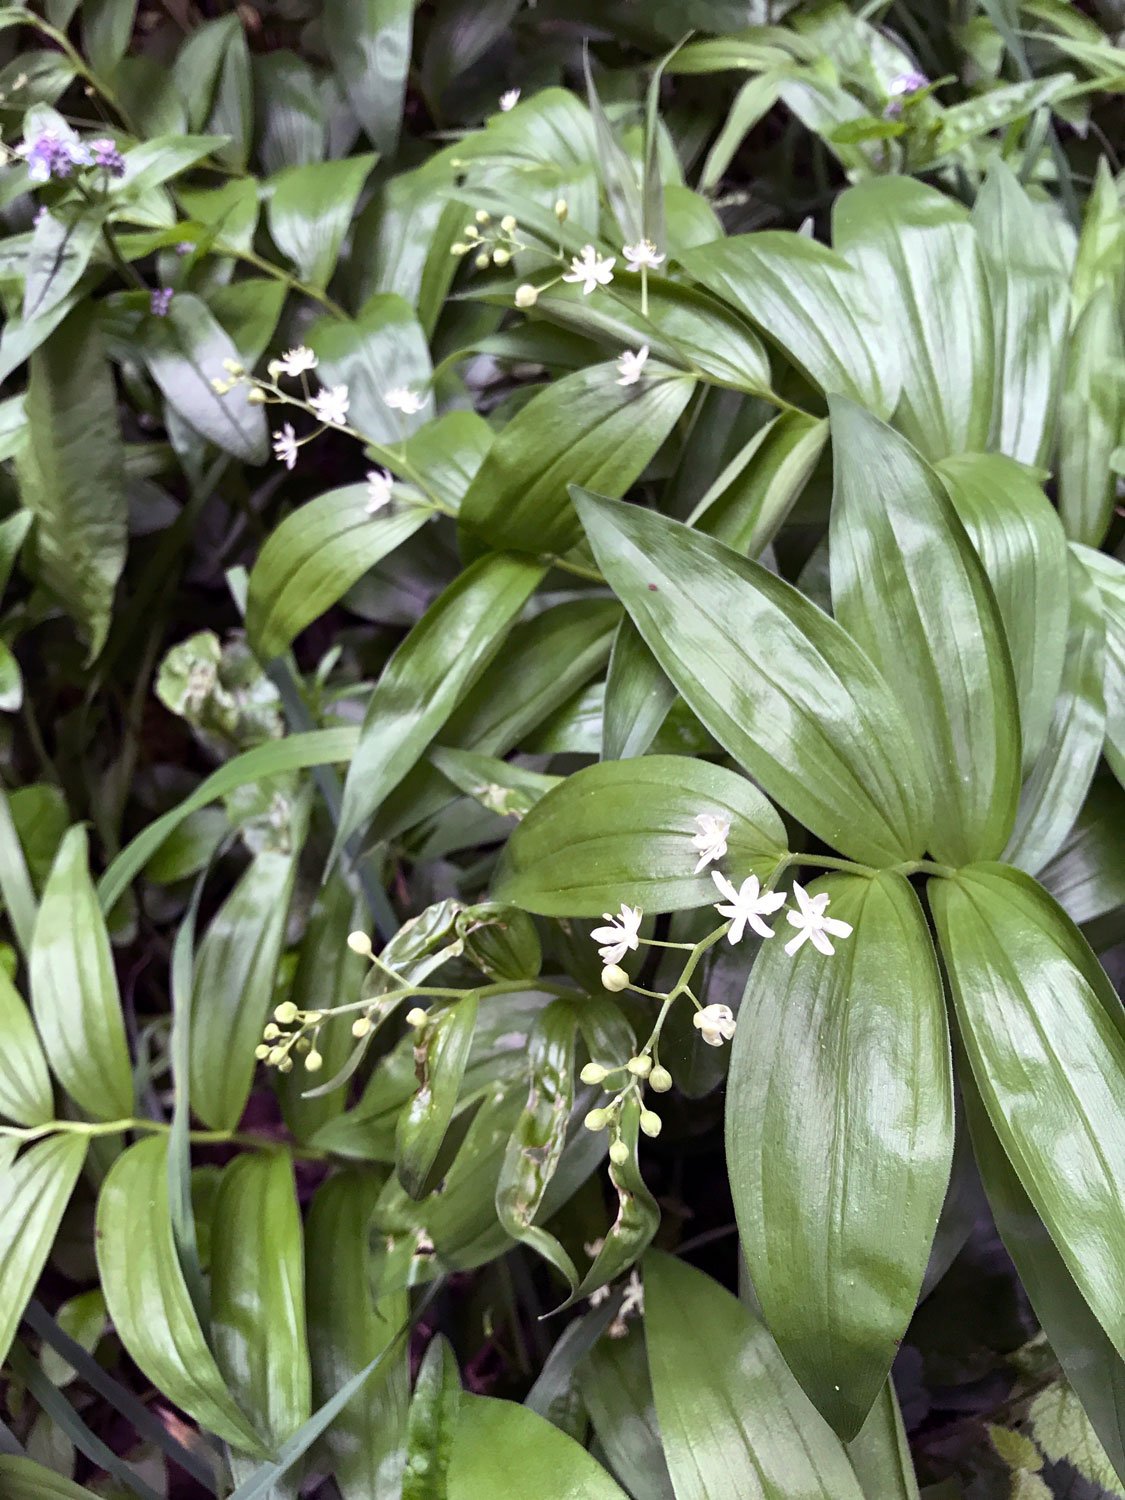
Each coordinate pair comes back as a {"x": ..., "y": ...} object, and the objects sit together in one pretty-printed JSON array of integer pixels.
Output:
[{"x": 34, "y": 1190}]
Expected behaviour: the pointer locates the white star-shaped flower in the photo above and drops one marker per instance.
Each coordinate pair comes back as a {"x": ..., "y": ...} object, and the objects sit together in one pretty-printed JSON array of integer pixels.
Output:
[
  {"x": 620, "y": 935},
  {"x": 591, "y": 269},
  {"x": 711, "y": 840},
  {"x": 634, "y": 1298},
  {"x": 406, "y": 401},
  {"x": 747, "y": 906},
  {"x": 643, "y": 253},
  {"x": 285, "y": 445},
  {"x": 379, "y": 484},
  {"x": 509, "y": 99},
  {"x": 297, "y": 361},
  {"x": 716, "y": 1023},
  {"x": 631, "y": 364},
  {"x": 331, "y": 405},
  {"x": 813, "y": 926}
]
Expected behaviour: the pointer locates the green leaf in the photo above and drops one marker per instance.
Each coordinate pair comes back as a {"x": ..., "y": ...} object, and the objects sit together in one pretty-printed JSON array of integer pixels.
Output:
[
  {"x": 347, "y": 1330},
  {"x": 1020, "y": 541},
  {"x": 880, "y": 1453},
  {"x": 381, "y": 348},
  {"x": 148, "y": 1300},
  {"x": 369, "y": 46},
  {"x": 1109, "y": 576},
  {"x": 637, "y": 696},
  {"x": 809, "y": 718},
  {"x": 1091, "y": 413},
  {"x": 839, "y": 1124},
  {"x": 584, "y": 430},
  {"x": 445, "y": 454},
  {"x": 308, "y": 563},
  {"x": 309, "y": 210},
  {"x": 619, "y": 176},
  {"x": 923, "y": 266},
  {"x": 931, "y": 625},
  {"x": 184, "y": 352},
  {"x": 751, "y": 499},
  {"x": 1044, "y": 1035},
  {"x": 638, "y": 1216},
  {"x": 25, "y": 1084},
  {"x": 11, "y": 681},
  {"x": 74, "y": 995},
  {"x": 24, "y": 1480},
  {"x": 34, "y": 1192},
  {"x": 616, "y": 1390},
  {"x": 433, "y": 1423},
  {"x": 440, "y": 658},
  {"x": 1053, "y": 794},
  {"x": 621, "y": 831},
  {"x": 235, "y": 971},
  {"x": 440, "y": 1057},
  {"x": 107, "y": 27},
  {"x": 500, "y": 785},
  {"x": 72, "y": 475},
  {"x": 733, "y": 1419},
  {"x": 15, "y": 881},
  {"x": 810, "y": 303},
  {"x": 1087, "y": 874},
  {"x": 59, "y": 253},
  {"x": 257, "y": 1293},
  {"x": 501, "y": 1448}
]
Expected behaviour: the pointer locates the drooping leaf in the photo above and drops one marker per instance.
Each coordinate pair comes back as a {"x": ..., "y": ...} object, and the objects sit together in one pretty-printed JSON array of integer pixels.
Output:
[
  {"x": 74, "y": 994},
  {"x": 931, "y": 626},
  {"x": 310, "y": 209},
  {"x": 500, "y": 1447},
  {"x": 839, "y": 1139},
  {"x": 369, "y": 45},
  {"x": 638, "y": 1216},
  {"x": 779, "y": 684},
  {"x": 622, "y": 831},
  {"x": 25, "y": 1085},
  {"x": 34, "y": 1191}
]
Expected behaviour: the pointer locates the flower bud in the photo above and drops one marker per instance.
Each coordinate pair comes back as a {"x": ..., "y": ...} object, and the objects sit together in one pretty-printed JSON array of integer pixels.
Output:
[
  {"x": 361, "y": 1026},
  {"x": 508, "y": 223},
  {"x": 660, "y": 1079},
  {"x": 232, "y": 367},
  {"x": 359, "y": 942},
  {"x": 501, "y": 257},
  {"x": 275, "y": 1056},
  {"x": 483, "y": 216},
  {"x": 471, "y": 232},
  {"x": 459, "y": 248},
  {"x": 562, "y": 210},
  {"x": 314, "y": 1062},
  {"x": 618, "y": 1153},
  {"x": 527, "y": 295},
  {"x": 285, "y": 1065},
  {"x": 417, "y": 1016},
  {"x": 640, "y": 1067},
  {"x": 593, "y": 1073},
  {"x": 651, "y": 1123},
  {"x": 614, "y": 978},
  {"x": 261, "y": 1051},
  {"x": 271, "y": 1032},
  {"x": 286, "y": 1013},
  {"x": 274, "y": 369},
  {"x": 256, "y": 396},
  {"x": 313, "y": 1016},
  {"x": 597, "y": 1119},
  {"x": 482, "y": 261},
  {"x": 220, "y": 386}
]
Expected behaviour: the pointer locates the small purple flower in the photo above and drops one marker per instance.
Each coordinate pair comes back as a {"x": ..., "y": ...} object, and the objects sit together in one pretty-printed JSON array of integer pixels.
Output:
[
  {"x": 185, "y": 247},
  {"x": 41, "y": 213},
  {"x": 161, "y": 301},
  {"x": 902, "y": 87},
  {"x": 106, "y": 155},
  {"x": 52, "y": 154}
]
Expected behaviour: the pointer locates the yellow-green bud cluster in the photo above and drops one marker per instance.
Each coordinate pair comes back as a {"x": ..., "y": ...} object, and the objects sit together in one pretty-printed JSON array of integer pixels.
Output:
[
  {"x": 489, "y": 244},
  {"x": 277, "y": 1046}
]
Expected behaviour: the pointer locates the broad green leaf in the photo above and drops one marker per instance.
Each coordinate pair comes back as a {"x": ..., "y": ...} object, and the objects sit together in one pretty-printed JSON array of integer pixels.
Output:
[
  {"x": 1053, "y": 794},
  {"x": 1091, "y": 414},
  {"x": 72, "y": 475},
  {"x": 291, "y": 113},
  {"x": 445, "y": 454},
  {"x": 309, "y": 210},
  {"x": 1109, "y": 576},
  {"x": 500, "y": 785},
  {"x": 308, "y": 563},
  {"x": 1087, "y": 874},
  {"x": 810, "y": 303},
  {"x": 369, "y": 44},
  {"x": 235, "y": 972},
  {"x": 880, "y": 1453},
  {"x": 440, "y": 1058},
  {"x": 347, "y": 1329},
  {"x": 637, "y": 696},
  {"x": 1098, "y": 260},
  {"x": 248, "y": 312},
  {"x": 74, "y": 994},
  {"x": 752, "y": 103},
  {"x": 501, "y": 1448},
  {"x": 184, "y": 352},
  {"x": 34, "y": 1192},
  {"x": 910, "y": 589},
  {"x": 1020, "y": 541},
  {"x": 923, "y": 266},
  {"x": 840, "y": 1126},
  {"x": 622, "y": 831},
  {"x": 441, "y": 657},
  {"x": 25, "y": 1084},
  {"x": 148, "y": 1300},
  {"x": 24, "y": 1480},
  {"x": 107, "y": 27},
  {"x": 777, "y": 682},
  {"x": 616, "y": 1390},
  {"x": 751, "y": 499},
  {"x": 1044, "y": 1035},
  {"x": 403, "y": 237},
  {"x": 584, "y": 429},
  {"x": 152, "y": 162},
  {"x": 257, "y": 1293},
  {"x": 733, "y": 1419},
  {"x": 59, "y": 253},
  {"x": 381, "y": 349}
]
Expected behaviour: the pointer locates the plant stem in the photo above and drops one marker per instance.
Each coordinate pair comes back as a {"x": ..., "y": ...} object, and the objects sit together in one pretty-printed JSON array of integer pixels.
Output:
[{"x": 91, "y": 1129}]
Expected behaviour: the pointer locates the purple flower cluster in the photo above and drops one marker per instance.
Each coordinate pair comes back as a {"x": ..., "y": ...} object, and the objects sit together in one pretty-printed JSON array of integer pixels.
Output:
[
  {"x": 106, "y": 155},
  {"x": 161, "y": 301},
  {"x": 52, "y": 154}
]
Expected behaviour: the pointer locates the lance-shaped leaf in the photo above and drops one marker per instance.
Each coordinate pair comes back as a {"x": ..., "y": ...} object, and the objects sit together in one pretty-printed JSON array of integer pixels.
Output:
[
  {"x": 440, "y": 1056},
  {"x": 909, "y": 587},
  {"x": 148, "y": 1299},
  {"x": 441, "y": 657},
  {"x": 25, "y": 1085},
  {"x": 623, "y": 830},
  {"x": 615, "y": 1388},
  {"x": 34, "y": 1191},
  {"x": 840, "y": 1137},
  {"x": 1053, "y": 794},
  {"x": 585, "y": 429},
  {"x": 501, "y": 1448},
  {"x": 1109, "y": 577},
  {"x": 537, "y": 1142},
  {"x": 1087, "y": 875},
  {"x": 880, "y": 1453},
  {"x": 1021, "y": 543},
  {"x": 309, "y": 209},
  {"x": 432, "y": 1424},
  {"x": 1045, "y": 1037},
  {"x": 637, "y": 696},
  {"x": 779, "y": 684},
  {"x": 1090, "y": 419},
  {"x": 23, "y": 1479},
  {"x": 369, "y": 45},
  {"x": 74, "y": 995},
  {"x": 733, "y": 1419},
  {"x": 751, "y": 499},
  {"x": 923, "y": 267}
]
